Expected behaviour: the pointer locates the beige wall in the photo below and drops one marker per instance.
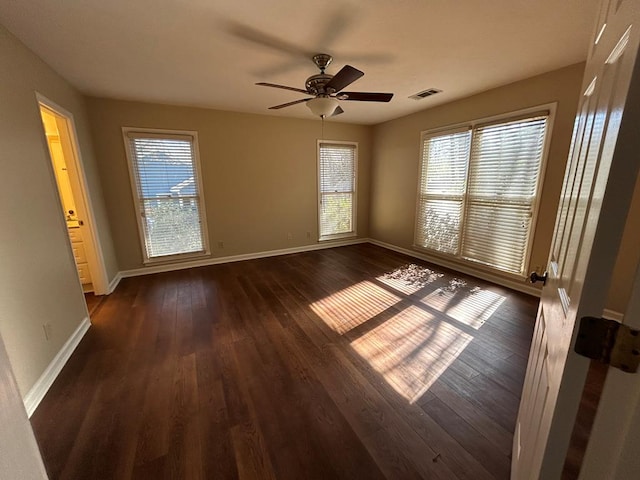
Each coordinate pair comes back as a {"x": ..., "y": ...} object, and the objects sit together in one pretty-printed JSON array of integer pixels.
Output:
[
  {"x": 259, "y": 174},
  {"x": 396, "y": 150},
  {"x": 19, "y": 454},
  {"x": 38, "y": 280}
]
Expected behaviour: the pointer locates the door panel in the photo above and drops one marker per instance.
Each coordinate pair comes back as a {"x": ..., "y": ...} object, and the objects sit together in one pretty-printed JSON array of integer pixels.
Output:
[{"x": 591, "y": 216}]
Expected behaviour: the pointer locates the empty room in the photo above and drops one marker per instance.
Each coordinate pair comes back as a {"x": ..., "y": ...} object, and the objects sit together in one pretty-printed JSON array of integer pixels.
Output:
[{"x": 390, "y": 239}]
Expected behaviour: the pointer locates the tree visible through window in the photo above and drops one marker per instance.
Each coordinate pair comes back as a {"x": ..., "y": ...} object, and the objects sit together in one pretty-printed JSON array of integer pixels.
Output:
[
  {"x": 337, "y": 182},
  {"x": 478, "y": 189},
  {"x": 166, "y": 188}
]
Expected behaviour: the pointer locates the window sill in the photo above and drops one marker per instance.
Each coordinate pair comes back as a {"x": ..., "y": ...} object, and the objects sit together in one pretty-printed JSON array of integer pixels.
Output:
[
  {"x": 338, "y": 236},
  {"x": 182, "y": 257},
  {"x": 480, "y": 267}
]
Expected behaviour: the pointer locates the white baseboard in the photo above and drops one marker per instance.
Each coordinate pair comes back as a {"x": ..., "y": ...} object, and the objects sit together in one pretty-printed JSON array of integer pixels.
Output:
[
  {"x": 505, "y": 282},
  {"x": 169, "y": 267},
  {"x": 497, "y": 279},
  {"x": 613, "y": 315},
  {"x": 113, "y": 284},
  {"x": 33, "y": 398}
]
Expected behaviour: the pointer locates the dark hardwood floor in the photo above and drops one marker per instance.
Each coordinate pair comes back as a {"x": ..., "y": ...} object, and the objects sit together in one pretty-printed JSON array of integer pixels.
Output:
[
  {"x": 584, "y": 421},
  {"x": 348, "y": 363},
  {"x": 93, "y": 302}
]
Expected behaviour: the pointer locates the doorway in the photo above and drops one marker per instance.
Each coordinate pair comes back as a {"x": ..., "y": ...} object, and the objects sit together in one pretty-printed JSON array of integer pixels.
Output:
[{"x": 74, "y": 200}]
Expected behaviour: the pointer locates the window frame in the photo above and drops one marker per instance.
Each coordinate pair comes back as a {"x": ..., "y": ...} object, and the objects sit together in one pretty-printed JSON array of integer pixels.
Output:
[
  {"x": 354, "y": 193},
  {"x": 127, "y": 133},
  {"x": 550, "y": 110}
]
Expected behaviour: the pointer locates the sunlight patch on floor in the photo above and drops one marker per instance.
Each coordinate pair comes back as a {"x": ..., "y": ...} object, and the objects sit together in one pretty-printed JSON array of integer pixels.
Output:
[
  {"x": 353, "y": 306},
  {"x": 411, "y": 350},
  {"x": 409, "y": 278},
  {"x": 472, "y": 307}
]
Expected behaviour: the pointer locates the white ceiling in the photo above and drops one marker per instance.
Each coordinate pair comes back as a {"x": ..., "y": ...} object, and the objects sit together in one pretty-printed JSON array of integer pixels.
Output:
[{"x": 209, "y": 53}]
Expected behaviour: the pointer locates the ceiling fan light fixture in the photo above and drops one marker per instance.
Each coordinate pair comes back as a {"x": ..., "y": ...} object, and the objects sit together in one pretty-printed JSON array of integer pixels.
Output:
[{"x": 322, "y": 106}]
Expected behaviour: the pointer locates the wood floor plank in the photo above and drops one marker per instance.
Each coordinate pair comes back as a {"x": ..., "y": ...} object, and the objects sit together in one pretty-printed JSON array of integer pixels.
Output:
[
  {"x": 492, "y": 431},
  {"x": 471, "y": 440},
  {"x": 217, "y": 454},
  {"x": 181, "y": 460},
  {"x": 252, "y": 457},
  {"x": 317, "y": 365},
  {"x": 480, "y": 391}
]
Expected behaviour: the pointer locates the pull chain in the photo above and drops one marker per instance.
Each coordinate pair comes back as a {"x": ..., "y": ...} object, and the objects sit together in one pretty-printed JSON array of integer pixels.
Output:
[{"x": 322, "y": 133}]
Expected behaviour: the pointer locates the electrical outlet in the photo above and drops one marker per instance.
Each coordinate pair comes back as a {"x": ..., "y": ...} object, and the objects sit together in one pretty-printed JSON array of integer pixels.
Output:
[
  {"x": 220, "y": 244},
  {"x": 48, "y": 331},
  {"x": 289, "y": 236},
  {"x": 308, "y": 235}
]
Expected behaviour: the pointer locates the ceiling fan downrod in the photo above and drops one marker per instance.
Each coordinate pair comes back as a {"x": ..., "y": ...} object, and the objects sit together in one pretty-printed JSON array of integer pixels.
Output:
[{"x": 322, "y": 61}]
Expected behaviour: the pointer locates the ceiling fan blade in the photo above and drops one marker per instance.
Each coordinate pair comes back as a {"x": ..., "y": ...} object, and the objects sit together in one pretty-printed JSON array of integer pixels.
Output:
[
  {"x": 346, "y": 76},
  {"x": 258, "y": 37},
  {"x": 335, "y": 26},
  {"x": 365, "y": 96},
  {"x": 377, "y": 58},
  {"x": 278, "y": 68},
  {"x": 278, "y": 107},
  {"x": 274, "y": 85},
  {"x": 337, "y": 111}
]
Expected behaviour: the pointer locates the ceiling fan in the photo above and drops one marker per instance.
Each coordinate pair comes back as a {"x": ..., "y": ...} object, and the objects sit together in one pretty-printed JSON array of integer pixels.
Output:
[{"x": 326, "y": 89}]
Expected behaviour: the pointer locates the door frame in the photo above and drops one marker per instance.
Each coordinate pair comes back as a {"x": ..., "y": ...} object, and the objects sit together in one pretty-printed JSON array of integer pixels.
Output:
[
  {"x": 95, "y": 257},
  {"x": 611, "y": 451}
]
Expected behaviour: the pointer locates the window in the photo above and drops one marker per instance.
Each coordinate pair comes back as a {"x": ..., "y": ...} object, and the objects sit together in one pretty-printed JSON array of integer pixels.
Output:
[
  {"x": 477, "y": 191},
  {"x": 337, "y": 187},
  {"x": 165, "y": 177}
]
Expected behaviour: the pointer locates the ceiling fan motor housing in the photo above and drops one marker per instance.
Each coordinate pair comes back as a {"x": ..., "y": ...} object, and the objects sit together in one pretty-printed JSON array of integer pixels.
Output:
[{"x": 315, "y": 83}]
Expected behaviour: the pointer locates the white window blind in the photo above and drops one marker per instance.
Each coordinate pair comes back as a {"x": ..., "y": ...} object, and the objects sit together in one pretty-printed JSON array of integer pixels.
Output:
[
  {"x": 503, "y": 180},
  {"x": 166, "y": 188},
  {"x": 478, "y": 192},
  {"x": 443, "y": 179},
  {"x": 337, "y": 168}
]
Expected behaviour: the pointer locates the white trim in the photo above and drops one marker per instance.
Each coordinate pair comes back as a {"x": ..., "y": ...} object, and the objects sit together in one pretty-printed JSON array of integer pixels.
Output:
[
  {"x": 548, "y": 134},
  {"x": 337, "y": 236},
  {"x": 238, "y": 258},
  {"x": 613, "y": 315},
  {"x": 99, "y": 271},
  {"x": 113, "y": 284},
  {"x": 33, "y": 398},
  {"x": 505, "y": 282},
  {"x": 170, "y": 267},
  {"x": 514, "y": 114}
]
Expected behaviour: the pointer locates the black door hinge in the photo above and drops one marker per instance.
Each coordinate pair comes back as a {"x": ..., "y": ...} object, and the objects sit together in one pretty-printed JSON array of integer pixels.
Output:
[{"x": 609, "y": 342}]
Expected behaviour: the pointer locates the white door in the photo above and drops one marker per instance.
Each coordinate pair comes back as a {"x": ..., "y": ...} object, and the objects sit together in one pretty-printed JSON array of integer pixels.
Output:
[{"x": 597, "y": 189}]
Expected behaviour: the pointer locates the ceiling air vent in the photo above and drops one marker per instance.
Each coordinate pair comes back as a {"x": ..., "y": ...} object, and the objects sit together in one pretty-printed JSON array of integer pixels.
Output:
[{"x": 425, "y": 93}]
